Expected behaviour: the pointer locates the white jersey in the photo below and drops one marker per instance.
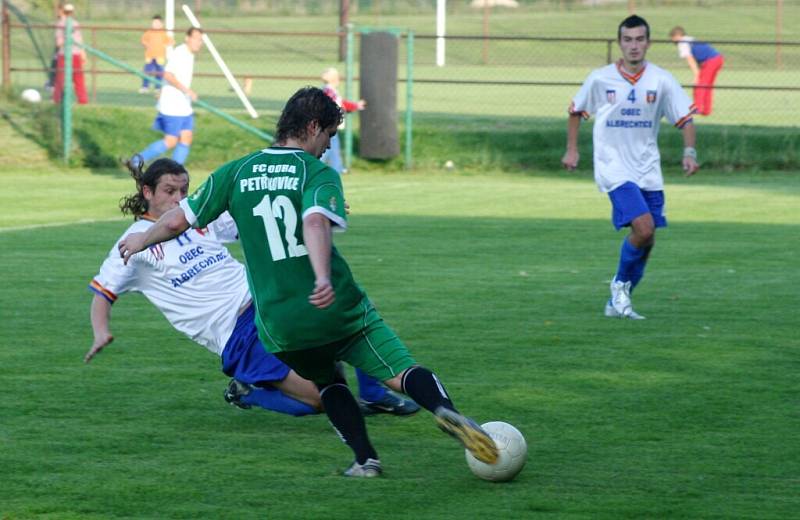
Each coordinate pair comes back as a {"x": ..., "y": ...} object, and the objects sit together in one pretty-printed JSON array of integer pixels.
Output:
[
  {"x": 628, "y": 110},
  {"x": 173, "y": 102},
  {"x": 192, "y": 279}
]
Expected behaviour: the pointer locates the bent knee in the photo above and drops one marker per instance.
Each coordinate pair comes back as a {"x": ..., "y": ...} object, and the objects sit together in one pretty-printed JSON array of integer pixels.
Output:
[
  {"x": 646, "y": 235},
  {"x": 643, "y": 228}
]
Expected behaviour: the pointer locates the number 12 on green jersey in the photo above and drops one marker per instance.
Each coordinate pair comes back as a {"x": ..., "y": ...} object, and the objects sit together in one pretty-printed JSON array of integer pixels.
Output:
[{"x": 283, "y": 209}]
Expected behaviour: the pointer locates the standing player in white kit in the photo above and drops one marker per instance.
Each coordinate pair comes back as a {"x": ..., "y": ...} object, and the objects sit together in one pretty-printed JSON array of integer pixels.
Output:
[{"x": 628, "y": 99}]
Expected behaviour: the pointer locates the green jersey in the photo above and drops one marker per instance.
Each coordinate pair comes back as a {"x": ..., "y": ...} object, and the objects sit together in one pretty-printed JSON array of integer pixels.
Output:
[{"x": 268, "y": 193}]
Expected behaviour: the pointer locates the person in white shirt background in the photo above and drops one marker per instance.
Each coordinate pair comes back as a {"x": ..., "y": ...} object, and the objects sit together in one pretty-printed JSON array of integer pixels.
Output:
[{"x": 175, "y": 118}]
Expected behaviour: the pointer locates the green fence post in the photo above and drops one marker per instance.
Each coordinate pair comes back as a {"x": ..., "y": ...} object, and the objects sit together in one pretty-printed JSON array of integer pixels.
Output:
[
  {"x": 409, "y": 95},
  {"x": 348, "y": 94},
  {"x": 66, "y": 97}
]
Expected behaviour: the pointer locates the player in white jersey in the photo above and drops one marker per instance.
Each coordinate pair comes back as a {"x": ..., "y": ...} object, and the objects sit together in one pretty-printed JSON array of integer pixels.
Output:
[
  {"x": 628, "y": 99},
  {"x": 175, "y": 118},
  {"x": 203, "y": 292}
]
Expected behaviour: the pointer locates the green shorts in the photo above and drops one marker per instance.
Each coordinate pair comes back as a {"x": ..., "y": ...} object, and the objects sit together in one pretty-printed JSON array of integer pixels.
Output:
[{"x": 376, "y": 350}]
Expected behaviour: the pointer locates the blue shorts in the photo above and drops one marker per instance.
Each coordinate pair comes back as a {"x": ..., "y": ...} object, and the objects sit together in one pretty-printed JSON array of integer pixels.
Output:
[
  {"x": 245, "y": 358},
  {"x": 172, "y": 125},
  {"x": 630, "y": 201}
]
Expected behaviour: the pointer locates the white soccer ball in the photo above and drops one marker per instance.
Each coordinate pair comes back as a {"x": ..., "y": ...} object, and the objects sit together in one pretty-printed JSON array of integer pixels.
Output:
[
  {"x": 449, "y": 165},
  {"x": 31, "y": 95},
  {"x": 512, "y": 453}
]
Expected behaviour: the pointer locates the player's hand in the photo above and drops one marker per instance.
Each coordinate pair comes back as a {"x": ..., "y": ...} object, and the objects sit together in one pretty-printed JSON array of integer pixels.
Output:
[
  {"x": 362, "y": 104},
  {"x": 100, "y": 342},
  {"x": 690, "y": 166},
  {"x": 322, "y": 296},
  {"x": 130, "y": 245},
  {"x": 192, "y": 94},
  {"x": 570, "y": 159}
]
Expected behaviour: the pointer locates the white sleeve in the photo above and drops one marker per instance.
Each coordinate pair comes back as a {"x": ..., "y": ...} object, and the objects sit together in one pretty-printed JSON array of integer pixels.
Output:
[
  {"x": 191, "y": 218},
  {"x": 684, "y": 49},
  {"x": 678, "y": 108},
  {"x": 586, "y": 101},
  {"x": 225, "y": 228},
  {"x": 114, "y": 277}
]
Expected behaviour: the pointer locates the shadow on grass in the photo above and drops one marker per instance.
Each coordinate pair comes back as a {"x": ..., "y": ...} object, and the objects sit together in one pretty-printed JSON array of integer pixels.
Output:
[
  {"x": 517, "y": 145},
  {"x": 26, "y": 132},
  {"x": 536, "y": 145}
]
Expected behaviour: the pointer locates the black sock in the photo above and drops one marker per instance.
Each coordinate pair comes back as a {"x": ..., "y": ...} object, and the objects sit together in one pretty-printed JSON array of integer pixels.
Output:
[
  {"x": 345, "y": 416},
  {"x": 424, "y": 387}
]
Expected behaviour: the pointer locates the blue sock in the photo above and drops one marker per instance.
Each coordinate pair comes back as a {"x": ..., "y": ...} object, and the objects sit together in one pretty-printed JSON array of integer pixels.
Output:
[
  {"x": 637, "y": 272},
  {"x": 369, "y": 388},
  {"x": 275, "y": 400},
  {"x": 180, "y": 153},
  {"x": 153, "y": 150},
  {"x": 629, "y": 256}
]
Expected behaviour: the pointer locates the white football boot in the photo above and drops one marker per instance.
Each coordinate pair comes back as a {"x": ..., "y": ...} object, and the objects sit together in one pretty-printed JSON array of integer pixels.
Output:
[
  {"x": 370, "y": 469},
  {"x": 619, "y": 305}
]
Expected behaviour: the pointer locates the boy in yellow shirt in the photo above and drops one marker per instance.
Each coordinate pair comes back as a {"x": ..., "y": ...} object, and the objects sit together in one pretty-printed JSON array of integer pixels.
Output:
[{"x": 155, "y": 41}]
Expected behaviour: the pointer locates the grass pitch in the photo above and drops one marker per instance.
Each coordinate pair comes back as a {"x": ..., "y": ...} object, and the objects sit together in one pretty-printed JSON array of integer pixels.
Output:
[{"x": 497, "y": 282}]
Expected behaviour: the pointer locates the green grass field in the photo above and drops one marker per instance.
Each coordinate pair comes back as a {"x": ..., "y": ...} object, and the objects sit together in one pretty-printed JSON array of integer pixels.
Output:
[{"x": 497, "y": 281}]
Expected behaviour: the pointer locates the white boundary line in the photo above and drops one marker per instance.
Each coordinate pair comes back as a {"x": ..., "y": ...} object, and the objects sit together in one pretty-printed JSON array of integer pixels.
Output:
[{"x": 59, "y": 224}]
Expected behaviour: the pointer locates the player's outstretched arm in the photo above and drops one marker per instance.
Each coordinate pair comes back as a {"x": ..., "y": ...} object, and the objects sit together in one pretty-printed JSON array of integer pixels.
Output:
[
  {"x": 171, "y": 224},
  {"x": 694, "y": 66},
  {"x": 318, "y": 242},
  {"x": 100, "y": 314},
  {"x": 690, "y": 165},
  {"x": 571, "y": 156}
]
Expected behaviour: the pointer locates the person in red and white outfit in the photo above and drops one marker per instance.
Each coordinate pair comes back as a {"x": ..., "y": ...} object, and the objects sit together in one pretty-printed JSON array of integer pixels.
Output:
[{"x": 78, "y": 57}]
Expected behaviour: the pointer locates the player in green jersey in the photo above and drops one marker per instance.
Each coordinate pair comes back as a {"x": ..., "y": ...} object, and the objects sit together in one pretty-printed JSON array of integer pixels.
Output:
[{"x": 310, "y": 312}]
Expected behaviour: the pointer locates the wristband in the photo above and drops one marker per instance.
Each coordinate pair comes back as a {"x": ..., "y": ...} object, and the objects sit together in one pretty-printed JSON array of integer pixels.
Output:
[{"x": 690, "y": 152}]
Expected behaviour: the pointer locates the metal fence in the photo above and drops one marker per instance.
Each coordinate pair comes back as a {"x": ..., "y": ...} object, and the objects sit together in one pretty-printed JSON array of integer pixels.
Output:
[
  {"x": 125, "y": 9},
  {"x": 494, "y": 76}
]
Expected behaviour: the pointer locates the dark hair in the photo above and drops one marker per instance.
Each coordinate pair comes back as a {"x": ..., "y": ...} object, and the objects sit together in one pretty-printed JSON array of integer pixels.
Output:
[
  {"x": 307, "y": 105},
  {"x": 157, "y": 17},
  {"x": 136, "y": 204},
  {"x": 631, "y": 22},
  {"x": 191, "y": 30}
]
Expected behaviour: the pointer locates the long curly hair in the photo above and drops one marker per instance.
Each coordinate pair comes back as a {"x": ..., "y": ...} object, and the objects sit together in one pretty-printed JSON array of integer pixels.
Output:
[
  {"x": 307, "y": 105},
  {"x": 136, "y": 204}
]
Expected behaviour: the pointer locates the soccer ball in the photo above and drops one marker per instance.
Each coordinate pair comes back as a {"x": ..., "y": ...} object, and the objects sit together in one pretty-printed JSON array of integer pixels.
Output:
[
  {"x": 31, "y": 95},
  {"x": 512, "y": 452}
]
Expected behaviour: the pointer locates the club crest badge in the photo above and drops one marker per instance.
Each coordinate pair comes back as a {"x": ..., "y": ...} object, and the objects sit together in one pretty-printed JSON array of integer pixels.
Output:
[
  {"x": 651, "y": 96},
  {"x": 611, "y": 96},
  {"x": 332, "y": 204}
]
